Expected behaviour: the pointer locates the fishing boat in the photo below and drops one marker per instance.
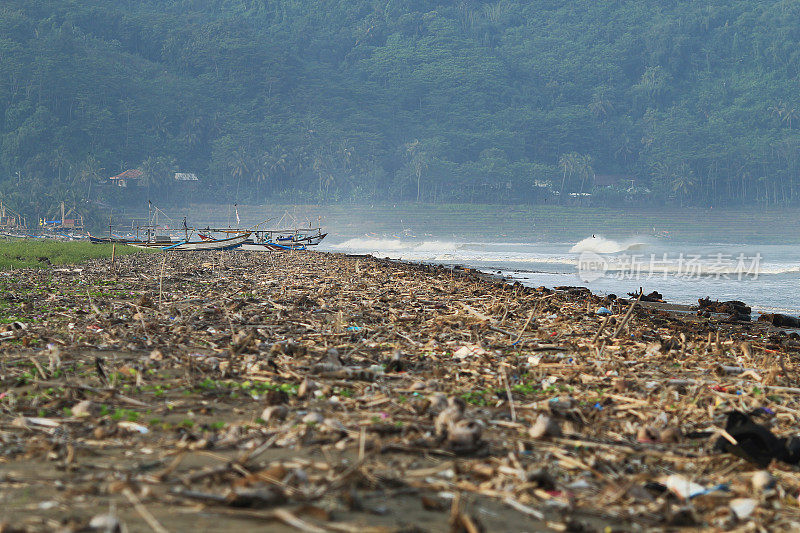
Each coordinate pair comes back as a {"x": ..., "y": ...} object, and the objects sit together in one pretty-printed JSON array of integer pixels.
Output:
[
  {"x": 290, "y": 236},
  {"x": 300, "y": 237},
  {"x": 271, "y": 240},
  {"x": 277, "y": 240},
  {"x": 178, "y": 237},
  {"x": 250, "y": 245},
  {"x": 228, "y": 243}
]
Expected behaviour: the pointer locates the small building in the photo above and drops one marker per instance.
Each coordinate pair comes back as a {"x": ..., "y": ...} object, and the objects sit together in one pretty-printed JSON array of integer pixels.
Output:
[
  {"x": 185, "y": 176},
  {"x": 127, "y": 178}
]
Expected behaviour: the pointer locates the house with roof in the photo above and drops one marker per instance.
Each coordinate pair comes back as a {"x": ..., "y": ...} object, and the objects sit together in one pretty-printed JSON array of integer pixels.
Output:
[{"x": 131, "y": 177}]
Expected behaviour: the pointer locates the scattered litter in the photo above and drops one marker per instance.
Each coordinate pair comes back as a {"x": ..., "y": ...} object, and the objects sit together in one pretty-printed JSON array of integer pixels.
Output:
[
  {"x": 239, "y": 384},
  {"x": 743, "y": 507},
  {"x": 469, "y": 351}
]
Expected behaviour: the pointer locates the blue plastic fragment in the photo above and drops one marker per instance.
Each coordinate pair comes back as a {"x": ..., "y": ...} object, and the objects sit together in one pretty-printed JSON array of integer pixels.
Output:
[
  {"x": 723, "y": 487},
  {"x": 602, "y": 311},
  {"x": 353, "y": 328}
]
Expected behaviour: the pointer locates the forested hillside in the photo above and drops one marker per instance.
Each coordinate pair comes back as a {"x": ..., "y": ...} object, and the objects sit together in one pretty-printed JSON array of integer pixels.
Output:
[{"x": 684, "y": 102}]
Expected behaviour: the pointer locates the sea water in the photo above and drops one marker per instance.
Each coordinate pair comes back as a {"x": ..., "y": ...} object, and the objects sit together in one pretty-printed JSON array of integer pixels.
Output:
[{"x": 764, "y": 276}]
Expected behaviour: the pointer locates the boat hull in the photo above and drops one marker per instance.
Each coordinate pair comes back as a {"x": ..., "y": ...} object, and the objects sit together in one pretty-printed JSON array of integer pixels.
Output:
[
  {"x": 262, "y": 247},
  {"x": 219, "y": 244},
  {"x": 215, "y": 244}
]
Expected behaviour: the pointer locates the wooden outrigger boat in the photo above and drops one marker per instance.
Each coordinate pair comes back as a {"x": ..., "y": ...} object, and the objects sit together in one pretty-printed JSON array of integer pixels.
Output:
[
  {"x": 212, "y": 244},
  {"x": 155, "y": 236},
  {"x": 274, "y": 240}
]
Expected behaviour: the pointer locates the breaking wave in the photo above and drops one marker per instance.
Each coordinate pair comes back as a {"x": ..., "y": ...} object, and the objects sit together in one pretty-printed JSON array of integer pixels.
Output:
[{"x": 601, "y": 245}]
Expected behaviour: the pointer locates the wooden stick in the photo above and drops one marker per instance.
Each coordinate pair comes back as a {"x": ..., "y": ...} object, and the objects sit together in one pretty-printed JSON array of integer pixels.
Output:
[
  {"x": 161, "y": 280},
  {"x": 524, "y": 509},
  {"x": 599, "y": 331},
  {"x": 627, "y": 317},
  {"x": 508, "y": 394},
  {"x": 519, "y": 335},
  {"x": 143, "y": 512}
]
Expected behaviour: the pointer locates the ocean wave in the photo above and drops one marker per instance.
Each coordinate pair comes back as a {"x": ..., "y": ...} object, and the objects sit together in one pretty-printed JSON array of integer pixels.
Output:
[{"x": 601, "y": 245}]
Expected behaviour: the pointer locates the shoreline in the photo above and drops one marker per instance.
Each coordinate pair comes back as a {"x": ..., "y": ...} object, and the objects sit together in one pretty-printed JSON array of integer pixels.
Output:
[
  {"x": 677, "y": 309},
  {"x": 232, "y": 389}
]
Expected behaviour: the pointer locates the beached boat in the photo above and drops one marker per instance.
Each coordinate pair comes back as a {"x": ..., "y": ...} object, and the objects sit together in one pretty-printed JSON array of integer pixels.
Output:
[
  {"x": 272, "y": 240},
  {"x": 275, "y": 240},
  {"x": 300, "y": 237},
  {"x": 228, "y": 243},
  {"x": 253, "y": 245}
]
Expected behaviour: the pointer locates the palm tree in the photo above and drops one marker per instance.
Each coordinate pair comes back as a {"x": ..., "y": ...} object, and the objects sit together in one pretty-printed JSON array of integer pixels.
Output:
[
  {"x": 59, "y": 159},
  {"x": 261, "y": 171},
  {"x": 148, "y": 168},
  {"x": 568, "y": 163},
  {"x": 625, "y": 148},
  {"x": 495, "y": 12},
  {"x": 128, "y": 106},
  {"x": 277, "y": 162},
  {"x": 160, "y": 125},
  {"x": 683, "y": 181},
  {"x": 789, "y": 116},
  {"x": 90, "y": 172},
  {"x": 322, "y": 167},
  {"x": 237, "y": 163},
  {"x": 600, "y": 106},
  {"x": 418, "y": 160},
  {"x": 784, "y": 113},
  {"x": 192, "y": 129},
  {"x": 585, "y": 169}
]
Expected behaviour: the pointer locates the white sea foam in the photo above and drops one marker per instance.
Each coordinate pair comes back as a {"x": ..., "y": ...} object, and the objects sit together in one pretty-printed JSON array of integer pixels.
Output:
[{"x": 601, "y": 245}]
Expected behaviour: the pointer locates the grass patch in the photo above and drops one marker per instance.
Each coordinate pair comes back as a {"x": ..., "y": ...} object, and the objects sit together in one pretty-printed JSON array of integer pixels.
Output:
[{"x": 41, "y": 254}]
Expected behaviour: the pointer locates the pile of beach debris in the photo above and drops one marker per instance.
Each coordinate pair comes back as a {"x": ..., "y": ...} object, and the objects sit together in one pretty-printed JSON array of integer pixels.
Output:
[{"x": 323, "y": 392}]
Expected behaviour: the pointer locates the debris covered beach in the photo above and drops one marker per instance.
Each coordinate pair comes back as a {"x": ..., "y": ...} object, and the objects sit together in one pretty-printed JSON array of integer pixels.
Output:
[{"x": 310, "y": 391}]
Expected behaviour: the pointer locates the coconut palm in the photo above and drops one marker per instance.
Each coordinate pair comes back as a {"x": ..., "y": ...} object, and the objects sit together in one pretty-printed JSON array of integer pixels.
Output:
[
  {"x": 239, "y": 167},
  {"x": 418, "y": 160},
  {"x": 600, "y": 106},
  {"x": 584, "y": 169},
  {"x": 90, "y": 172},
  {"x": 60, "y": 158},
  {"x": 683, "y": 182},
  {"x": 568, "y": 163}
]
